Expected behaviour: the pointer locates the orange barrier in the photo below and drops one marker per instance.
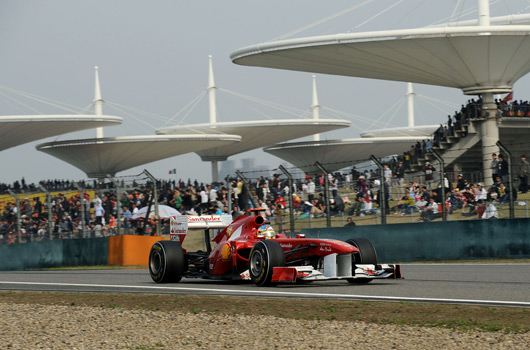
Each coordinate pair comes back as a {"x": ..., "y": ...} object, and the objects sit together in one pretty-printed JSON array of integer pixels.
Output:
[{"x": 130, "y": 250}]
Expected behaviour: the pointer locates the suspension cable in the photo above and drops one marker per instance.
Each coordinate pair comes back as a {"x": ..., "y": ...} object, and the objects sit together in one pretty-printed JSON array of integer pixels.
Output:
[{"x": 311, "y": 25}]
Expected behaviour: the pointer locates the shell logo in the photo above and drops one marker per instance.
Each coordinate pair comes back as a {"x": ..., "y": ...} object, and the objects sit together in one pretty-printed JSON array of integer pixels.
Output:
[{"x": 225, "y": 252}]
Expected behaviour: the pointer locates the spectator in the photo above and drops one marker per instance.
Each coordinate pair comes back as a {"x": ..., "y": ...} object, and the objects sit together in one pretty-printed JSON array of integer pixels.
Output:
[
  {"x": 204, "y": 199},
  {"x": 428, "y": 146},
  {"x": 263, "y": 205},
  {"x": 333, "y": 185},
  {"x": 399, "y": 174},
  {"x": 349, "y": 221},
  {"x": 424, "y": 197},
  {"x": 504, "y": 195},
  {"x": 317, "y": 209},
  {"x": 406, "y": 205},
  {"x": 127, "y": 215},
  {"x": 494, "y": 167},
  {"x": 99, "y": 212},
  {"x": 502, "y": 168},
  {"x": 481, "y": 210},
  {"x": 310, "y": 190},
  {"x": 387, "y": 173},
  {"x": 460, "y": 182},
  {"x": 365, "y": 207},
  {"x": 279, "y": 213},
  {"x": 212, "y": 193},
  {"x": 482, "y": 194},
  {"x": 429, "y": 170},
  {"x": 430, "y": 211},
  {"x": 524, "y": 171}
]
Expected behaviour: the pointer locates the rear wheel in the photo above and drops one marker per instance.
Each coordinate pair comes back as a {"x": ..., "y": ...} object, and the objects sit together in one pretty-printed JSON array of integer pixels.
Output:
[
  {"x": 366, "y": 255},
  {"x": 167, "y": 262},
  {"x": 264, "y": 257}
]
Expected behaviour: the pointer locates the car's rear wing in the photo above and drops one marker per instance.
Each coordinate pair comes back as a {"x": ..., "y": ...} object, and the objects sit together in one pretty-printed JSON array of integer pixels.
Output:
[{"x": 181, "y": 224}]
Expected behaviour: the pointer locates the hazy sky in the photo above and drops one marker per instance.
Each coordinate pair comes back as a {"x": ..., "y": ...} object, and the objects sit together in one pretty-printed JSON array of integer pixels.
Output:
[{"x": 153, "y": 56}]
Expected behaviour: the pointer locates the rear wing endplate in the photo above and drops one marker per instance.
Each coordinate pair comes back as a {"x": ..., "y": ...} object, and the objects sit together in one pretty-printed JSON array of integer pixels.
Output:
[{"x": 181, "y": 224}]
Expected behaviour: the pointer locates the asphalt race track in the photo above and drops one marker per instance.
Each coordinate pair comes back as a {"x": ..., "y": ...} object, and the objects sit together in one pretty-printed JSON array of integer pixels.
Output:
[{"x": 481, "y": 284}]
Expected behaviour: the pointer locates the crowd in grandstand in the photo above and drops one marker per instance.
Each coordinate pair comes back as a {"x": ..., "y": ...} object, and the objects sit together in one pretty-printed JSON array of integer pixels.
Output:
[{"x": 271, "y": 194}]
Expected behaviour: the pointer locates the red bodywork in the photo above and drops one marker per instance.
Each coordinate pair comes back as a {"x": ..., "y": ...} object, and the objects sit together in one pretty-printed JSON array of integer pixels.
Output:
[{"x": 234, "y": 243}]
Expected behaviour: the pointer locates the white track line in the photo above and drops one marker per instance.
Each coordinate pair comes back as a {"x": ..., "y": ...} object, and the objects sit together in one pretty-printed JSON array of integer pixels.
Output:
[
  {"x": 464, "y": 264},
  {"x": 285, "y": 294}
]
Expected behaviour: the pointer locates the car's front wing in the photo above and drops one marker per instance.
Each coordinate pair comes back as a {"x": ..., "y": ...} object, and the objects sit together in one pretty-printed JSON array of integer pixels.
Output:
[{"x": 334, "y": 267}]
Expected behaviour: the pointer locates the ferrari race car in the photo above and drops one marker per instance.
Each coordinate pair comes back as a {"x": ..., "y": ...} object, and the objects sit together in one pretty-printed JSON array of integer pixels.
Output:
[{"x": 248, "y": 249}]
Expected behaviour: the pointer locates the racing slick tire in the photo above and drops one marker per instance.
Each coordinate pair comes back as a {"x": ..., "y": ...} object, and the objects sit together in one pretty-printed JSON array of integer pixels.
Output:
[
  {"x": 167, "y": 262},
  {"x": 264, "y": 256},
  {"x": 366, "y": 255}
]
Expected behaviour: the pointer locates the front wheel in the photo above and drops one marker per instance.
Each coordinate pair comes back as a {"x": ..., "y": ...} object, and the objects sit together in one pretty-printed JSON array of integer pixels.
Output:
[
  {"x": 264, "y": 257},
  {"x": 167, "y": 262},
  {"x": 366, "y": 255}
]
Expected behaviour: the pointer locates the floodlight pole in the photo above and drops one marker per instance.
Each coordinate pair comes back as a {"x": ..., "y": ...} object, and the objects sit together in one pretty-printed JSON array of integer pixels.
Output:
[
  {"x": 291, "y": 206},
  {"x": 382, "y": 194},
  {"x": 326, "y": 193},
  {"x": 17, "y": 200},
  {"x": 82, "y": 200},
  {"x": 442, "y": 177},
  {"x": 508, "y": 157},
  {"x": 155, "y": 195},
  {"x": 118, "y": 203},
  {"x": 50, "y": 215}
]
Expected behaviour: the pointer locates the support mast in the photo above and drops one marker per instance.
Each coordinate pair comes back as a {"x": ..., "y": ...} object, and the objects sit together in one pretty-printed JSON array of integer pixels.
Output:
[
  {"x": 213, "y": 112},
  {"x": 483, "y": 13},
  {"x": 315, "y": 107},
  {"x": 410, "y": 101},
  {"x": 98, "y": 103}
]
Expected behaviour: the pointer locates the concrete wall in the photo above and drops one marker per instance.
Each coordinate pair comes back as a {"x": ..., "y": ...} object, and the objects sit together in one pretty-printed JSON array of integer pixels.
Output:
[
  {"x": 440, "y": 241},
  {"x": 31, "y": 255},
  {"x": 398, "y": 242},
  {"x": 85, "y": 252},
  {"x": 126, "y": 250}
]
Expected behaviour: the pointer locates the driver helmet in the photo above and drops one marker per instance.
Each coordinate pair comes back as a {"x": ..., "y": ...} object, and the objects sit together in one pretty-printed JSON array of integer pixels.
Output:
[{"x": 267, "y": 231}]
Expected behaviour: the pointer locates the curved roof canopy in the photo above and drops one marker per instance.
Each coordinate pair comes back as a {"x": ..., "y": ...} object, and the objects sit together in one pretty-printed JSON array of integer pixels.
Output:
[
  {"x": 338, "y": 154},
  {"x": 415, "y": 131},
  {"x": 256, "y": 134},
  {"x": 107, "y": 156},
  {"x": 475, "y": 59},
  {"x": 17, "y": 130}
]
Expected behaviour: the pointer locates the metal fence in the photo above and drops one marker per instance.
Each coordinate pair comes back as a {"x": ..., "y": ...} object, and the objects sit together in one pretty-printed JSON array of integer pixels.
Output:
[{"x": 43, "y": 215}]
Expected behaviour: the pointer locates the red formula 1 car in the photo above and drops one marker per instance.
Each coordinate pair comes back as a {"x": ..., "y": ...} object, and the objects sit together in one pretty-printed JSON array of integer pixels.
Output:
[{"x": 248, "y": 249}]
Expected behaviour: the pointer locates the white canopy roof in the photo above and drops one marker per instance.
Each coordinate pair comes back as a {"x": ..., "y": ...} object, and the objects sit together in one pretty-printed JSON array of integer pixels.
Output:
[
  {"x": 474, "y": 58},
  {"x": 17, "y": 130},
  {"x": 256, "y": 134},
  {"x": 110, "y": 155},
  {"x": 338, "y": 154},
  {"x": 416, "y": 131}
]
